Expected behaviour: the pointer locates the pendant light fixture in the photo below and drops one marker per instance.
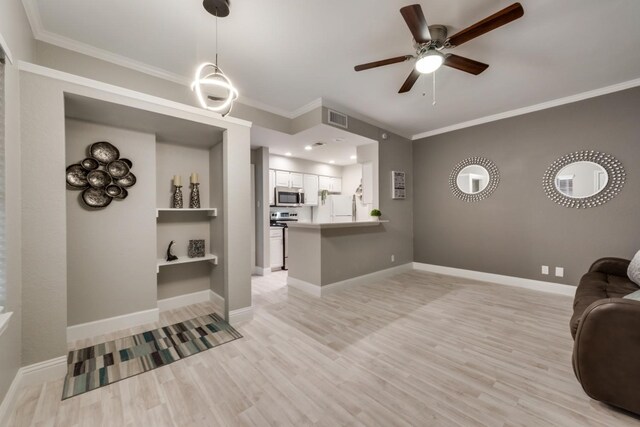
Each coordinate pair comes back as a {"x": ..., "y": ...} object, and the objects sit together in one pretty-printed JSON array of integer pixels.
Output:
[{"x": 214, "y": 90}]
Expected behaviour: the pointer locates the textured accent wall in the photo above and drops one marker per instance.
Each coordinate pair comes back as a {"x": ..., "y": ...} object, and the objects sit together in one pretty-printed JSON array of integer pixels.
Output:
[{"x": 518, "y": 229}]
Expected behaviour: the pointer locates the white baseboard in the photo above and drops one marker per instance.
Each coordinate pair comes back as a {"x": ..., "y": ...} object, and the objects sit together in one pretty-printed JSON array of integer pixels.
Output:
[
  {"x": 536, "y": 285},
  {"x": 182, "y": 300},
  {"x": 112, "y": 324},
  {"x": 318, "y": 291},
  {"x": 38, "y": 373},
  {"x": 216, "y": 299},
  {"x": 259, "y": 271},
  {"x": 240, "y": 315},
  {"x": 307, "y": 287}
]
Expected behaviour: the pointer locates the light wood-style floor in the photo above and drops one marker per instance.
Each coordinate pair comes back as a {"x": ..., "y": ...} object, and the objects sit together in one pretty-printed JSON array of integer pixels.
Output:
[{"x": 417, "y": 349}]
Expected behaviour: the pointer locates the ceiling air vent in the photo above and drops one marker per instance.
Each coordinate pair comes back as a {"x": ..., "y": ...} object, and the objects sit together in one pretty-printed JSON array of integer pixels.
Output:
[{"x": 338, "y": 119}]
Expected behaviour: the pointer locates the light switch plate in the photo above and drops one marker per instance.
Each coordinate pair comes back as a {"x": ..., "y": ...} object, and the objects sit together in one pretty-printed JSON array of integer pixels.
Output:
[
  {"x": 545, "y": 269},
  {"x": 559, "y": 272}
]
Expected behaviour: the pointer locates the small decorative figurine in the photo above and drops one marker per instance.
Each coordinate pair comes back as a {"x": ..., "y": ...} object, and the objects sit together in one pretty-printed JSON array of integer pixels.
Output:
[
  {"x": 170, "y": 256},
  {"x": 177, "y": 196},
  {"x": 194, "y": 200},
  {"x": 196, "y": 249}
]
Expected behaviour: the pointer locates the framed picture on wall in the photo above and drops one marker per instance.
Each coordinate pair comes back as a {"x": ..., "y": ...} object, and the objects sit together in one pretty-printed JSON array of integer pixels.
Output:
[{"x": 398, "y": 185}]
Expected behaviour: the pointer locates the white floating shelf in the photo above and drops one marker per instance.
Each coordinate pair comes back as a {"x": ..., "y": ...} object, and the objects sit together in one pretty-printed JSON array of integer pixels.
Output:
[
  {"x": 185, "y": 260},
  {"x": 213, "y": 212}
]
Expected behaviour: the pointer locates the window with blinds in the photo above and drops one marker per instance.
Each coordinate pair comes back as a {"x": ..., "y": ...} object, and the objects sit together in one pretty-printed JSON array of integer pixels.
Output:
[{"x": 3, "y": 240}]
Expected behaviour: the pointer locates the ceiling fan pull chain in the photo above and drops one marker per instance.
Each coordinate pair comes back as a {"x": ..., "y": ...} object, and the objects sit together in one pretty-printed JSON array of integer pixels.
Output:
[{"x": 434, "y": 88}]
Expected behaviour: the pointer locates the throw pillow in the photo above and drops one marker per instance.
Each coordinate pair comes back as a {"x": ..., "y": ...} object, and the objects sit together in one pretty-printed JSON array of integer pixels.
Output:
[
  {"x": 633, "y": 295},
  {"x": 634, "y": 269}
]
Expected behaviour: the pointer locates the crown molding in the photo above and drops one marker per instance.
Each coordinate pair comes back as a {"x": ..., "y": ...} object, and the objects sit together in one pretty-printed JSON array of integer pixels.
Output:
[
  {"x": 532, "y": 108},
  {"x": 41, "y": 34},
  {"x": 5, "y": 48},
  {"x": 120, "y": 91}
]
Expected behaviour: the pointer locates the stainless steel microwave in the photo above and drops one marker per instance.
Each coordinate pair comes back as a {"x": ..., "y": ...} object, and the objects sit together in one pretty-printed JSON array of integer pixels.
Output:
[{"x": 291, "y": 197}]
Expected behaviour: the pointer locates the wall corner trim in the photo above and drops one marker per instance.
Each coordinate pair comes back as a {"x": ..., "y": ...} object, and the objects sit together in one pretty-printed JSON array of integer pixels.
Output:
[
  {"x": 38, "y": 373},
  {"x": 111, "y": 324},
  {"x": 518, "y": 282},
  {"x": 240, "y": 315},
  {"x": 319, "y": 291}
]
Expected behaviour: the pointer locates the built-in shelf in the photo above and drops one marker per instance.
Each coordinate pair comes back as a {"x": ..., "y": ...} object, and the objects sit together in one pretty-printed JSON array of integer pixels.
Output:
[
  {"x": 185, "y": 260},
  {"x": 213, "y": 212}
]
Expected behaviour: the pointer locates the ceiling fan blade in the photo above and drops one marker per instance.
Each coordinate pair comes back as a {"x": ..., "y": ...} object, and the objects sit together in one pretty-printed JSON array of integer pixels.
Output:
[
  {"x": 389, "y": 61},
  {"x": 506, "y": 15},
  {"x": 464, "y": 64},
  {"x": 411, "y": 80},
  {"x": 416, "y": 22}
]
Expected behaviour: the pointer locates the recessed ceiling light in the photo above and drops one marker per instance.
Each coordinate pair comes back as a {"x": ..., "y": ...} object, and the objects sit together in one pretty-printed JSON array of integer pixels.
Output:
[
  {"x": 308, "y": 148},
  {"x": 287, "y": 154},
  {"x": 353, "y": 157},
  {"x": 332, "y": 161}
]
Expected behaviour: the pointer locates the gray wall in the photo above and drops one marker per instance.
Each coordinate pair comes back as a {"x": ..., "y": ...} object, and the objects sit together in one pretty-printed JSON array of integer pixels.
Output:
[
  {"x": 518, "y": 229},
  {"x": 217, "y": 235},
  {"x": 16, "y": 32},
  {"x": 260, "y": 159},
  {"x": 86, "y": 66},
  {"x": 350, "y": 253},
  {"x": 111, "y": 252}
]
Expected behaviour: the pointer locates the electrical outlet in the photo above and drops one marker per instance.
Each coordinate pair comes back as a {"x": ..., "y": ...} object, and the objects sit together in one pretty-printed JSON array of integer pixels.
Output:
[
  {"x": 393, "y": 258},
  {"x": 559, "y": 272},
  {"x": 545, "y": 269}
]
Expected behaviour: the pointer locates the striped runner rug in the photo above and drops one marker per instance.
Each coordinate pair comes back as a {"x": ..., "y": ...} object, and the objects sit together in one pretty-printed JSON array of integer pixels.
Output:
[{"x": 106, "y": 363}]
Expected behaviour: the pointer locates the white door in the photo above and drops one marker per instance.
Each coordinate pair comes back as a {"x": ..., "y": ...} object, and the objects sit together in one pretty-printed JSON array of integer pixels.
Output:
[
  {"x": 272, "y": 187},
  {"x": 282, "y": 179},
  {"x": 296, "y": 179},
  {"x": 311, "y": 190},
  {"x": 336, "y": 185},
  {"x": 324, "y": 183}
]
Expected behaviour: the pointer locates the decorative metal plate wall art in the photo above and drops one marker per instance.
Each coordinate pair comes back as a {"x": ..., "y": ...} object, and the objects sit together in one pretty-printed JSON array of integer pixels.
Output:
[
  {"x": 102, "y": 177},
  {"x": 613, "y": 167},
  {"x": 494, "y": 179}
]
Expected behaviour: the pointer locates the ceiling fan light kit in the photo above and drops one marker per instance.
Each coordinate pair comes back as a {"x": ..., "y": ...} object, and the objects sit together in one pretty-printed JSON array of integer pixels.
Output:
[
  {"x": 429, "y": 61},
  {"x": 432, "y": 40},
  {"x": 209, "y": 76}
]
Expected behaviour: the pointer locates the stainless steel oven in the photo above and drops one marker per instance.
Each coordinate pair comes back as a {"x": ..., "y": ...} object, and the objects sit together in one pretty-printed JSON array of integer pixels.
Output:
[{"x": 291, "y": 197}]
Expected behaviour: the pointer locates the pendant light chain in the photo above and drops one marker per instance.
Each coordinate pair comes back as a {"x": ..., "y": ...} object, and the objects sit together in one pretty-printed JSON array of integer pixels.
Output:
[{"x": 216, "y": 36}]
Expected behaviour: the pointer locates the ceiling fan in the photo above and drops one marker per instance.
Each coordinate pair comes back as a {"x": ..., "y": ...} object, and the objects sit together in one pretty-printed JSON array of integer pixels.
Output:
[{"x": 431, "y": 40}]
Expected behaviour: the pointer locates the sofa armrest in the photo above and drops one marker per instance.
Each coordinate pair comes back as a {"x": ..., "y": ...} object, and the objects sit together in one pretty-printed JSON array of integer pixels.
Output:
[
  {"x": 606, "y": 354},
  {"x": 613, "y": 266}
]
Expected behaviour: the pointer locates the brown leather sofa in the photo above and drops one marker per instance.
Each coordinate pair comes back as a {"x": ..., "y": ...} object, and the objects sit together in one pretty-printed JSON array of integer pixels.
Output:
[{"x": 606, "y": 331}]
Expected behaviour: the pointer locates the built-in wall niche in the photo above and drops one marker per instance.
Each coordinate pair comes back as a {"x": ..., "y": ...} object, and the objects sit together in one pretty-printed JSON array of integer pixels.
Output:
[
  {"x": 184, "y": 224},
  {"x": 115, "y": 262}
]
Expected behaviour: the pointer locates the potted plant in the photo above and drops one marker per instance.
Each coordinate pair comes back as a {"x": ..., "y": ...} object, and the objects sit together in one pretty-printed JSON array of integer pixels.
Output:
[{"x": 375, "y": 215}]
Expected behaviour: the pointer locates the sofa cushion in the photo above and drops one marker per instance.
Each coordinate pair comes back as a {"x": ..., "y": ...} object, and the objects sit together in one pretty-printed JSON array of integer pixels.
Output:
[
  {"x": 595, "y": 286},
  {"x": 633, "y": 272}
]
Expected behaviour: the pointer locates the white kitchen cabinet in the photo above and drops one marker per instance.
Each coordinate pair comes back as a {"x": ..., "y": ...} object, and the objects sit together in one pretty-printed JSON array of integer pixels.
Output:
[
  {"x": 331, "y": 184},
  {"x": 296, "y": 180},
  {"x": 276, "y": 248},
  {"x": 324, "y": 183},
  {"x": 272, "y": 187},
  {"x": 282, "y": 179},
  {"x": 336, "y": 185},
  {"x": 367, "y": 183},
  {"x": 311, "y": 190}
]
